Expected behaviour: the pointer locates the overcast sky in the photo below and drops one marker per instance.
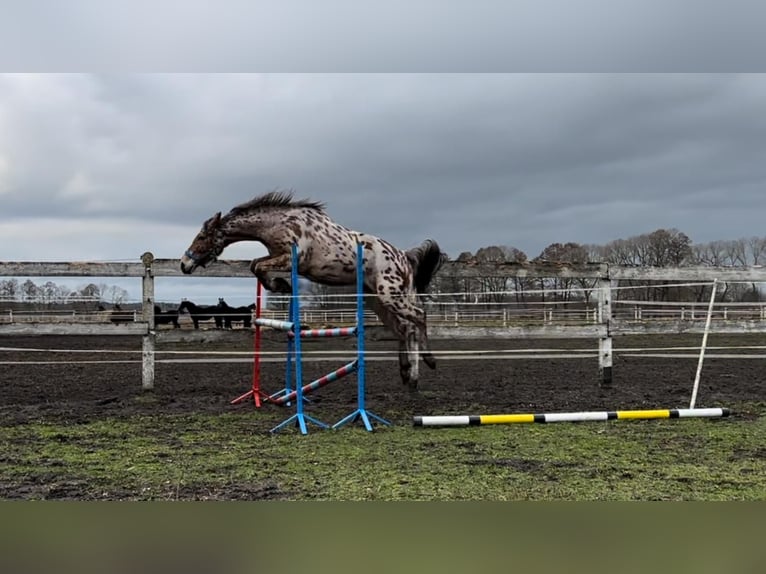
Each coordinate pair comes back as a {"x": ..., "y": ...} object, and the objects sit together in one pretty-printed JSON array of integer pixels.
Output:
[{"x": 105, "y": 167}]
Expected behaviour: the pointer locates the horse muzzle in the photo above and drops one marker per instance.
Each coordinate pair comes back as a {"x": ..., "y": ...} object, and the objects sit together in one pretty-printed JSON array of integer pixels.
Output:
[{"x": 188, "y": 265}]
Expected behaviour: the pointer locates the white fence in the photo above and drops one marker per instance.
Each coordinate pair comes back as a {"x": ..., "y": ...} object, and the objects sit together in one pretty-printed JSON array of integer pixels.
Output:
[{"x": 555, "y": 319}]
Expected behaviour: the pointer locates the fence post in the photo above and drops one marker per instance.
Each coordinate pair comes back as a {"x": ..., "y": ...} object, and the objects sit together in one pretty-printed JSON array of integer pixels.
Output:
[
  {"x": 605, "y": 317},
  {"x": 147, "y": 309}
]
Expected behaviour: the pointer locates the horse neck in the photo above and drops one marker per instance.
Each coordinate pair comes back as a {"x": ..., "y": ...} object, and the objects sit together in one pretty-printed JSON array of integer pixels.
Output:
[{"x": 270, "y": 227}]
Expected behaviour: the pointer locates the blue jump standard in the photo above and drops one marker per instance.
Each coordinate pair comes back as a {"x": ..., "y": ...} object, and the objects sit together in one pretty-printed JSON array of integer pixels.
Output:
[
  {"x": 291, "y": 354},
  {"x": 361, "y": 413},
  {"x": 300, "y": 419}
]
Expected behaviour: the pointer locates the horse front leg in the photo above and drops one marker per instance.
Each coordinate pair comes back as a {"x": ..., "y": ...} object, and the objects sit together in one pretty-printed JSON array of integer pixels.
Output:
[
  {"x": 264, "y": 265},
  {"x": 254, "y": 263}
]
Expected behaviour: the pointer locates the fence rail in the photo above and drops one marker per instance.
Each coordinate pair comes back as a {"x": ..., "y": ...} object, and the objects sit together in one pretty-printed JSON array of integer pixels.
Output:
[
  {"x": 465, "y": 316},
  {"x": 605, "y": 318}
]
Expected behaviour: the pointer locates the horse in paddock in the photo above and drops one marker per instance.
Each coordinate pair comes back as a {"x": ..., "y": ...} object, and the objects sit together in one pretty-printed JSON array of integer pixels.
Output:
[
  {"x": 202, "y": 313},
  {"x": 327, "y": 255},
  {"x": 165, "y": 317},
  {"x": 231, "y": 314},
  {"x": 118, "y": 315}
]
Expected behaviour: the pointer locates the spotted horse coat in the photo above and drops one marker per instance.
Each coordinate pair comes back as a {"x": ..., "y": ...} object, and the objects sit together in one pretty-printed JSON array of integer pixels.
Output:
[{"x": 327, "y": 255}]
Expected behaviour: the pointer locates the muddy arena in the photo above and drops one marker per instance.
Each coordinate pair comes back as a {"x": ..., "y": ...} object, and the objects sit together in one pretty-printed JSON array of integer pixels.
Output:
[{"x": 80, "y": 379}]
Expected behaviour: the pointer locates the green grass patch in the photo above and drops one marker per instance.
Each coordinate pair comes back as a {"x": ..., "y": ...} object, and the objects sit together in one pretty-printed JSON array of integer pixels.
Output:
[{"x": 230, "y": 457}]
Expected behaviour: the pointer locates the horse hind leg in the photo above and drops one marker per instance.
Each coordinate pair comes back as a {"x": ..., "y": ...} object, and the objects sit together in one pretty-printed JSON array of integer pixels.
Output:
[
  {"x": 405, "y": 366},
  {"x": 408, "y": 351},
  {"x": 428, "y": 357},
  {"x": 414, "y": 356},
  {"x": 384, "y": 310}
]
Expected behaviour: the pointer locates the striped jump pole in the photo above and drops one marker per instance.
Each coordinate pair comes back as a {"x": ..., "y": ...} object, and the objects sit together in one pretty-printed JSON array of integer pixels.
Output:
[
  {"x": 274, "y": 324},
  {"x": 320, "y": 382},
  {"x": 361, "y": 412},
  {"x": 299, "y": 418},
  {"x": 318, "y": 333},
  {"x": 478, "y": 420}
]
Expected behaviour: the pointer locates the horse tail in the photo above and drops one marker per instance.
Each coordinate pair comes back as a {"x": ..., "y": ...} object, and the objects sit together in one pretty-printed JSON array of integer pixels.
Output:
[{"x": 426, "y": 259}]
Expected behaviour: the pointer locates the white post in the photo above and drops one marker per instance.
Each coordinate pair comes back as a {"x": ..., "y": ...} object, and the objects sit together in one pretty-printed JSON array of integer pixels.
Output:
[
  {"x": 605, "y": 343},
  {"x": 147, "y": 307},
  {"x": 704, "y": 343}
]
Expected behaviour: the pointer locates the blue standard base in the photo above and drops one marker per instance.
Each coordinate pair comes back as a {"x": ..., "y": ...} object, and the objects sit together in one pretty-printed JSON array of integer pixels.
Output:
[
  {"x": 361, "y": 414},
  {"x": 300, "y": 422}
]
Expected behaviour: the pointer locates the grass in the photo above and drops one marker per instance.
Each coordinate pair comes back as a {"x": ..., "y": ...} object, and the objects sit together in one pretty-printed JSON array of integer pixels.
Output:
[{"x": 224, "y": 457}]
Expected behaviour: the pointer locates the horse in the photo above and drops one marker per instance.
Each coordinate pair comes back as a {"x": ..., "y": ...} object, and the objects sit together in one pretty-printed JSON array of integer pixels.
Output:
[
  {"x": 202, "y": 313},
  {"x": 118, "y": 315},
  {"x": 327, "y": 255},
  {"x": 236, "y": 314},
  {"x": 164, "y": 317}
]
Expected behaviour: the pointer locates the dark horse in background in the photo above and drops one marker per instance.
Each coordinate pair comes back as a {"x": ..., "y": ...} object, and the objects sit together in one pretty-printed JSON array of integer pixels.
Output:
[
  {"x": 118, "y": 315},
  {"x": 202, "y": 313},
  {"x": 231, "y": 314},
  {"x": 327, "y": 255},
  {"x": 166, "y": 317}
]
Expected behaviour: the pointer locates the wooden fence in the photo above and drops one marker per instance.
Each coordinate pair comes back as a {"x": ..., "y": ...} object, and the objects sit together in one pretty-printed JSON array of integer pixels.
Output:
[{"x": 603, "y": 325}]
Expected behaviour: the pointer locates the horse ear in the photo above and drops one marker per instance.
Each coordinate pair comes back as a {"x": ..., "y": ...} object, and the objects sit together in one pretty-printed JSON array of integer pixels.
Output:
[{"x": 217, "y": 218}]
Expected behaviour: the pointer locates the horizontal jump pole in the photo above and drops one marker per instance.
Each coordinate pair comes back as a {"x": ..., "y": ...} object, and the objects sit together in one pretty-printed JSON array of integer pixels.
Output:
[
  {"x": 316, "y": 333},
  {"x": 274, "y": 324},
  {"x": 476, "y": 420},
  {"x": 320, "y": 382}
]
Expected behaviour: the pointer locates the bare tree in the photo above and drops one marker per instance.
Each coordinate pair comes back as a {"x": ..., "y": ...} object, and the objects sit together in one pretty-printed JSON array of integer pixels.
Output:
[
  {"x": 9, "y": 288},
  {"x": 562, "y": 253},
  {"x": 495, "y": 287}
]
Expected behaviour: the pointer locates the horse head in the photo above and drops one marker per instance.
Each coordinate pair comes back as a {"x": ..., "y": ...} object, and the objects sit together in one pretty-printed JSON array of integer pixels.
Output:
[
  {"x": 185, "y": 306},
  {"x": 206, "y": 246}
]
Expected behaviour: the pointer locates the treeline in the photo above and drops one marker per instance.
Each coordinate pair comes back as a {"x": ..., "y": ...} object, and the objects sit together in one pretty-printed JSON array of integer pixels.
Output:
[
  {"x": 660, "y": 248},
  {"x": 50, "y": 293}
]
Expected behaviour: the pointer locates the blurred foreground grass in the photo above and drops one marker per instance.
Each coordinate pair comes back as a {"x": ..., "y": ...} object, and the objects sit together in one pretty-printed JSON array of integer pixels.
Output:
[{"x": 226, "y": 457}]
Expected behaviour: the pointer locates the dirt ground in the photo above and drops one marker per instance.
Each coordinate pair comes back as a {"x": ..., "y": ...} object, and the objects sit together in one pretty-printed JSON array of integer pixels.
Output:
[
  {"x": 84, "y": 386},
  {"x": 79, "y": 380}
]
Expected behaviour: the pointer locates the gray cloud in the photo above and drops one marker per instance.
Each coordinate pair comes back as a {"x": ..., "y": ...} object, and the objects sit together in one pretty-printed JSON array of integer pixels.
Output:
[
  {"x": 398, "y": 35},
  {"x": 108, "y": 166}
]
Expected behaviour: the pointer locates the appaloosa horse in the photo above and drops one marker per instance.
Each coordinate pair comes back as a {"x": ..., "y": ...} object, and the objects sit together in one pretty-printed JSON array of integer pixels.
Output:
[{"x": 327, "y": 255}]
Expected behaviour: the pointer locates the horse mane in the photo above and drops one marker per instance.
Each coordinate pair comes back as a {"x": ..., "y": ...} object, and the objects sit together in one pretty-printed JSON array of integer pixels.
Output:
[{"x": 276, "y": 200}]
